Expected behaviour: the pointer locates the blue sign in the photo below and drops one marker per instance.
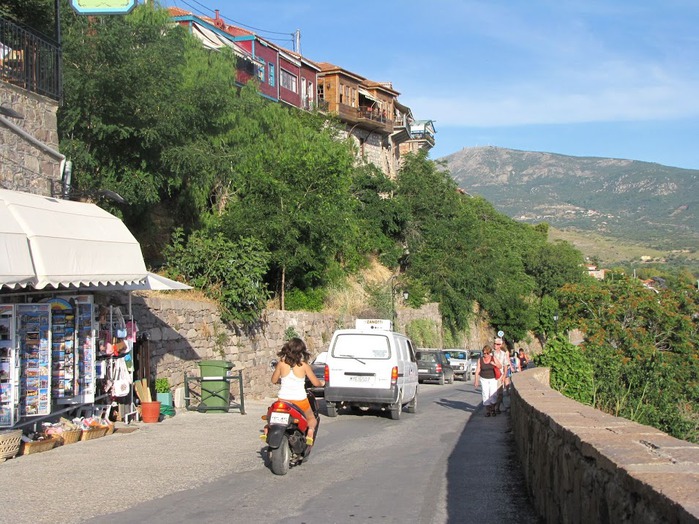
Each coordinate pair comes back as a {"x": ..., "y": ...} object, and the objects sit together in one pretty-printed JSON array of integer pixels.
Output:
[{"x": 103, "y": 7}]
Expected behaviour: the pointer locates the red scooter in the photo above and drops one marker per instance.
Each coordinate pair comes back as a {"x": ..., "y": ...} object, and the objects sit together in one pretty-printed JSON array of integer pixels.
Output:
[{"x": 285, "y": 434}]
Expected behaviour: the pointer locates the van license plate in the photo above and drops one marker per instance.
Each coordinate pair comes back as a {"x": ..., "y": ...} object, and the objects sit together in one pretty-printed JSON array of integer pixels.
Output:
[
  {"x": 360, "y": 379},
  {"x": 279, "y": 418}
]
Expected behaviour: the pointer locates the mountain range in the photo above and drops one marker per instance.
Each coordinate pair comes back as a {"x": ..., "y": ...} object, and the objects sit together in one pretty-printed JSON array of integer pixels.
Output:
[{"x": 640, "y": 202}]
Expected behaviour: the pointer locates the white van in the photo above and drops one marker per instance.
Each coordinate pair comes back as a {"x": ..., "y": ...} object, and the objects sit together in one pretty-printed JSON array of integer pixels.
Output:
[{"x": 371, "y": 366}]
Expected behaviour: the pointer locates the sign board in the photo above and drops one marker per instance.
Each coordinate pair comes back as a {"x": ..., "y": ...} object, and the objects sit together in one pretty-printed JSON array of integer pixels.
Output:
[
  {"x": 501, "y": 334},
  {"x": 373, "y": 323},
  {"x": 103, "y": 7}
]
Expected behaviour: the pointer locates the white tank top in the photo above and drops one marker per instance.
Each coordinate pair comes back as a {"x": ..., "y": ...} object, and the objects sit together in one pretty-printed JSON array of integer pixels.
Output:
[{"x": 293, "y": 387}]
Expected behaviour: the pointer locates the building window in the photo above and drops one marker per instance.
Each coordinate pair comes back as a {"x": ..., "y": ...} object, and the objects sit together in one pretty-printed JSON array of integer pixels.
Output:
[
  {"x": 288, "y": 81},
  {"x": 261, "y": 73},
  {"x": 270, "y": 70},
  {"x": 245, "y": 66}
]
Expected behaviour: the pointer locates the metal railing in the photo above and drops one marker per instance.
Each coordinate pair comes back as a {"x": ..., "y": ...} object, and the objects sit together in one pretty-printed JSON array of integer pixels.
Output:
[{"x": 29, "y": 60}]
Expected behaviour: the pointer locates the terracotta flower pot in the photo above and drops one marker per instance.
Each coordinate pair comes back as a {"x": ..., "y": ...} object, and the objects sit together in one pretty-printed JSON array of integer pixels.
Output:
[{"x": 150, "y": 412}]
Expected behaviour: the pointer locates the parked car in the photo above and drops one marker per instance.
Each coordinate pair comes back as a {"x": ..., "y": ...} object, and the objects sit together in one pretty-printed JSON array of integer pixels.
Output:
[
  {"x": 318, "y": 366},
  {"x": 432, "y": 364},
  {"x": 459, "y": 361},
  {"x": 473, "y": 356}
]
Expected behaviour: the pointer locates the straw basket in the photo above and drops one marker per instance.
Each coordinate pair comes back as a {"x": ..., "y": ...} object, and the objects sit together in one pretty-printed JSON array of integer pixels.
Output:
[
  {"x": 110, "y": 429},
  {"x": 9, "y": 444},
  {"x": 38, "y": 446},
  {"x": 71, "y": 436},
  {"x": 92, "y": 433}
]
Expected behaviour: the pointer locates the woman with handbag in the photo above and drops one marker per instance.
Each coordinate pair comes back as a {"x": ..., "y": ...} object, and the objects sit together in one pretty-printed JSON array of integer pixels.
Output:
[{"x": 488, "y": 373}]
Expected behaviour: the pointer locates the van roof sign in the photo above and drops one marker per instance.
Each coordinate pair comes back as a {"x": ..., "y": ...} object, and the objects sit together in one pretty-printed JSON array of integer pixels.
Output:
[{"x": 374, "y": 323}]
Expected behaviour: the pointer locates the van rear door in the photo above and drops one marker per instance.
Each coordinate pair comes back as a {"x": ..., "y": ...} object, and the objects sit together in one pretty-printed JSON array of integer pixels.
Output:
[{"x": 360, "y": 360}]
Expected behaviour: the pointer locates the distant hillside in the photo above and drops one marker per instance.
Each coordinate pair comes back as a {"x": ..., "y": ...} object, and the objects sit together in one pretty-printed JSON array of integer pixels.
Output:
[{"x": 645, "y": 203}]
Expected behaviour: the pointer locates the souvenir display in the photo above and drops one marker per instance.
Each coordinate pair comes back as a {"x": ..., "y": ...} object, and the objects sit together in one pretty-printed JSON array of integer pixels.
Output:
[
  {"x": 9, "y": 369},
  {"x": 34, "y": 337}
]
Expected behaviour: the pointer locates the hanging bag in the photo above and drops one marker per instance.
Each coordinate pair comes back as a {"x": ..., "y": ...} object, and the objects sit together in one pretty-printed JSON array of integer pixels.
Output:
[
  {"x": 121, "y": 385},
  {"x": 497, "y": 371}
]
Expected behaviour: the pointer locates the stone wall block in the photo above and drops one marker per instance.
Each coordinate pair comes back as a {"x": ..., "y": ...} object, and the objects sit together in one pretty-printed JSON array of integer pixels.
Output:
[{"x": 582, "y": 465}]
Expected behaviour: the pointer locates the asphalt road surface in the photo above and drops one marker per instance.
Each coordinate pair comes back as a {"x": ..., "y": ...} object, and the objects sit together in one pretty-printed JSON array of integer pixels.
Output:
[{"x": 447, "y": 463}]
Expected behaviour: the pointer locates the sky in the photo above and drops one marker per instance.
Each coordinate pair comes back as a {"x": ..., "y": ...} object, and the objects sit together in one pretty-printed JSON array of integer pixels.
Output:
[{"x": 604, "y": 78}]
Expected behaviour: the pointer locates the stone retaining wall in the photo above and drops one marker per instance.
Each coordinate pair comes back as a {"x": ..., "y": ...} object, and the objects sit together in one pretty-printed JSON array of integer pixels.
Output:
[
  {"x": 23, "y": 167},
  {"x": 582, "y": 465},
  {"x": 184, "y": 332}
]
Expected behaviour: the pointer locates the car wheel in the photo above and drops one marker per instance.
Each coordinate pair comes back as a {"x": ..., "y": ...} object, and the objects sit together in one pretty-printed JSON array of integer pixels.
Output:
[
  {"x": 412, "y": 405},
  {"x": 331, "y": 409}
]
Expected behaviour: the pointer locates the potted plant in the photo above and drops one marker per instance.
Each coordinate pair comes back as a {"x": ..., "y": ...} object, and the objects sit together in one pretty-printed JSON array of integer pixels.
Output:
[{"x": 162, "y": 391}]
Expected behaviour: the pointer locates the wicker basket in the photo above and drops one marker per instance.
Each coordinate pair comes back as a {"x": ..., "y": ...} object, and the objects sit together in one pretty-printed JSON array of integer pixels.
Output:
[
  {"x": 110, "y": 429},
  {"x": 71, "y": 436},
  {"x": 92, "y": 433},
  {"x": 9, "y": 443},
  {"x": 37, "y": 446}
]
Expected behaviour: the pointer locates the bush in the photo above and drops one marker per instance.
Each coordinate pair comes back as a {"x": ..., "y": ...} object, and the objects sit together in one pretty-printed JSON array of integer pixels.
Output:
[
  {"x": 305, "y": 300},
  {"x": 571, "y": 372}
]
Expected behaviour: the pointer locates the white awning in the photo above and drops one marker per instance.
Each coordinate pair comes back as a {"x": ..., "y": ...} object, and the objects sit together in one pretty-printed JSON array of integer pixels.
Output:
[
  {"x": 64, "y": 244},
  {"x": 152, "y": 282},
  {"x": 16, "y": 266},
  {"x": 367, "y": 94},
  {"x": 212, "y": 40}
]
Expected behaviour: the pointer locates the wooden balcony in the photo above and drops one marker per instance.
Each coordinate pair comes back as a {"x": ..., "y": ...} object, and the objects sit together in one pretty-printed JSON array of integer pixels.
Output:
[{"x": 365, "y": 117}]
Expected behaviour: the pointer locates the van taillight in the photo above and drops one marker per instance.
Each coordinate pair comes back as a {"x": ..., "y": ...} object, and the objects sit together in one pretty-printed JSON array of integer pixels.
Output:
[
  {"x": 394, "y": 376},
  {"x": 326, "y": 375},
  {"x": 439, "y": 368}
]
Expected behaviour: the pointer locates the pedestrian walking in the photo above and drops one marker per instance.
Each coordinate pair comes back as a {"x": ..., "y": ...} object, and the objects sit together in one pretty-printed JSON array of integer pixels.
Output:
[
  {"x": 503, "y": 358},
  {"x": 485, "y": 375}
]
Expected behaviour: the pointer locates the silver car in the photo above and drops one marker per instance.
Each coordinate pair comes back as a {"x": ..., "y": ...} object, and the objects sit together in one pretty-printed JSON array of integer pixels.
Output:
[
  {"x": 473, "y": 356},
  {"x": 458, "y": 358}
]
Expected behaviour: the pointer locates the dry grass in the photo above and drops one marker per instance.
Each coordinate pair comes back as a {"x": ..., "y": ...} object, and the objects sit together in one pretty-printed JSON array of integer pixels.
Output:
[{"x": 352, "y": 298}]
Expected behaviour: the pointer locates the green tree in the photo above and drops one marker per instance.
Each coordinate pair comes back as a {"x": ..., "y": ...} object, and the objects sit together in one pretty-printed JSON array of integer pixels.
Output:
[
  {"x": 642, "y": 345},
  {"x": 144, "y": 104},
  {"x": 36, "y": 15},
  {"x": 229, "y": 272},
  {"x": 292, "y": 191},
  {"x": 552, "y": 265}
]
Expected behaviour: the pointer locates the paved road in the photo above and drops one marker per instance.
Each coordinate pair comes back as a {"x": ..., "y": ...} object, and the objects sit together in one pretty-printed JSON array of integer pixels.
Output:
[{"x": 208, "y": 468}]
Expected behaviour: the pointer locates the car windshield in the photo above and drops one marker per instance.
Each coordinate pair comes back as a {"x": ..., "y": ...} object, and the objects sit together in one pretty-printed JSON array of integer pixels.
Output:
[
  {"x": 459, "y": 355},
  {"x": 361, "y": 346},
  {"x": 475, "y": 355}
]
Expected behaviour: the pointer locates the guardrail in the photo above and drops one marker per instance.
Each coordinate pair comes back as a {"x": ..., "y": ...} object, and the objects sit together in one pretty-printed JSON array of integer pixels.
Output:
[{"x": 29, "y": 60}]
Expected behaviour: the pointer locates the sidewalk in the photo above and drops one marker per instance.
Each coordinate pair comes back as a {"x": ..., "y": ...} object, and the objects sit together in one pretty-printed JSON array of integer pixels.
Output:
[{"x": 74, "y": 482}]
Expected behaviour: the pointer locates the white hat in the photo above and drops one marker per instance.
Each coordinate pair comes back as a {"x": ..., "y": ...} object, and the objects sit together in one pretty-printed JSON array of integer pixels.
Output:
[{"x": 498, "y": 340}]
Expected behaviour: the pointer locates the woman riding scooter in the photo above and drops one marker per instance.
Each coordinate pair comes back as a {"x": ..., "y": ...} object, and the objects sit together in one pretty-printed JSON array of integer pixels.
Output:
[{"x": 293, "y": 369}]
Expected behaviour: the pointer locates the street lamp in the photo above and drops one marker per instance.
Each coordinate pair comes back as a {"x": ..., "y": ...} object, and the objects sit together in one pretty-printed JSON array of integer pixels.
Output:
[{"x": 555, "y": 322}]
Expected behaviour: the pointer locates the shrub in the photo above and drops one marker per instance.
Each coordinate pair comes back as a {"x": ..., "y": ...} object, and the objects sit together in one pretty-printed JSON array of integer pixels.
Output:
[
  {"x": 305, "y": 300},
  {"x": 571, "y": 372}
]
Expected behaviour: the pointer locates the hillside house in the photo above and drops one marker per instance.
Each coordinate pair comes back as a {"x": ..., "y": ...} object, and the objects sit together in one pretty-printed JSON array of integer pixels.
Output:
[{"x": 383, "y": 128}]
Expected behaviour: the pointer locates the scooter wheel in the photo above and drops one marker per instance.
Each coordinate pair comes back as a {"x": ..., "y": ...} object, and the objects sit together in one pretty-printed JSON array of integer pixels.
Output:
[{"x": 279, "y": 458}]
